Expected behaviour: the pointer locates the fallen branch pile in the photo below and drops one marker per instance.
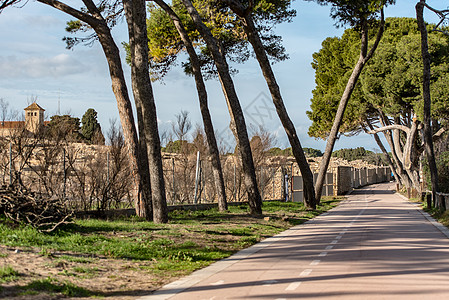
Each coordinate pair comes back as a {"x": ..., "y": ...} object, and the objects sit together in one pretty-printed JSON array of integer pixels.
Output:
[{"x": 44, "y": 214}]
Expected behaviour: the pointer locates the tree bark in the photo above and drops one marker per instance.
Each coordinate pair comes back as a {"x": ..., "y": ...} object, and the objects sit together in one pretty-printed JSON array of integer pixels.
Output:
[
  {"x": 406, "y": 159},
  {"x": 428, "y": 142},
  {"x": 135, "y": 11},
  {"x": 111, "y": 51},
  {"x": 143, "y": 155},
  {"x": 385, "y": 152},
  {"x": 363, "y": 59},
  {"x": 289, "y": 127},
  {"x": 238, "y": 124},
  {"x": 202, "y": 97},
  {"x": 389, "y": 137}
]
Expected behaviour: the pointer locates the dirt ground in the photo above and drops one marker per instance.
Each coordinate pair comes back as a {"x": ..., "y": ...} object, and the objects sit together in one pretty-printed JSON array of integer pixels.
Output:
[{"x": 111, "y": 278}]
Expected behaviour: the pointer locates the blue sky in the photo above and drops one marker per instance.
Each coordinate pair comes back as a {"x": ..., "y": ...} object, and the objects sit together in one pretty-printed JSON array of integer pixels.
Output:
[{"x": 35, "y": 63}]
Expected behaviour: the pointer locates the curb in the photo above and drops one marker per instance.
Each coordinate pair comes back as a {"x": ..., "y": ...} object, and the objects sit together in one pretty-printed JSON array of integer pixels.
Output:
[{"x": 443, "y": 229}]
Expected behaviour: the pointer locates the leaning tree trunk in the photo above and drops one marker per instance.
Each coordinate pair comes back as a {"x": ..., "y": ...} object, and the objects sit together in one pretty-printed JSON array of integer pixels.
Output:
[
  {"x": 405, "y": 179},
  {"x": 363, "y": 59},
  {"x": 238, "y": 124},
  {"x": 202, "y": 97},
  {"x": 111, "y": 51},
  {"x": 135, "y": 11},
  {"x": 428, "y": 142},
  {"x": 126, "y": 117},
  {"x": 289, "y": 127},
  {"x": 386, "y": 155}
]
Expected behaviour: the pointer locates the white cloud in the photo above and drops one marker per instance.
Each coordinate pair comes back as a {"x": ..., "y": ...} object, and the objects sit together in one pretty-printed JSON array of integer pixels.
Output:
[{"x": 41, "y": 67}]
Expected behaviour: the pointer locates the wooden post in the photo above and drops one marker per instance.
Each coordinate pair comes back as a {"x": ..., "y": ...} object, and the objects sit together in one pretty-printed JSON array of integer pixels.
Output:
[{"x": 429, "y": 200}]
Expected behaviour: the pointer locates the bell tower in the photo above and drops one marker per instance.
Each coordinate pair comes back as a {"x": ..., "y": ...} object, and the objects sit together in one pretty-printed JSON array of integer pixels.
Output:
[{"x": 34, "y": 117}]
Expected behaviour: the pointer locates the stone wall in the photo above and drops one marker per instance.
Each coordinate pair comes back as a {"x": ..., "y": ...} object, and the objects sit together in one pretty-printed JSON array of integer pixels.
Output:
[{"x": 344, "y": 179}]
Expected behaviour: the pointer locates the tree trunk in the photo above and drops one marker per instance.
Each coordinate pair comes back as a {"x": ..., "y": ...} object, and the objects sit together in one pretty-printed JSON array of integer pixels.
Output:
[
  {"x": 143, "y": 154},
  {"x": 387, "y": 156},
  {"x": 339, "y": 117},
  {"x": 407, "y": 162},
  {"x": 428, "y": 142},
  {"x": 202, "y": 97},
  {"x": 111, "y": 51},
  {"x": 405, "y": 180},
  {"x": 363, "y": 59},
  {"x": 298, "y": 153},
  {"x": 237, "y": 119},
  {"x": 135, "y": 11}
]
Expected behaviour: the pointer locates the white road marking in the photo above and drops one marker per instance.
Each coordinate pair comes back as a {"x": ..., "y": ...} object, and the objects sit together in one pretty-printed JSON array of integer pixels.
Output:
[
  {"x": 338, "y": 237},
  {"x": 322, "y": 254},
  {"x": 220, "y": 282},
  {"x": 329, "y": 247},
  {"x": 315, "y": 262},
  {"x": 305, "y": 273},
  {"x": 269, "y": 282},
  {"x": 334, "y": 242},
  {"x": 293, "y": 286}
]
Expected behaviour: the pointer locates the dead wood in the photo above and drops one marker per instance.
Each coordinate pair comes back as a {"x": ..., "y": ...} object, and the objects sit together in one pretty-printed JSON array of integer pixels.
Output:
[{"x": 24, "y": 207}]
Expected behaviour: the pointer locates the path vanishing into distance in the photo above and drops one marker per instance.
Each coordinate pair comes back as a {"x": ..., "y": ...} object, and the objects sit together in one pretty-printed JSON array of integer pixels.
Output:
[{"x": 375, "y": 245}]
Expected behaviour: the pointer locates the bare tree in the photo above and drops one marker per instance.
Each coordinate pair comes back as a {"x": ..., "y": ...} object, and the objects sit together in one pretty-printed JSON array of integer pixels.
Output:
[
  {"x": 4, "y": 112},
  {"x": 182, "y": 125}
]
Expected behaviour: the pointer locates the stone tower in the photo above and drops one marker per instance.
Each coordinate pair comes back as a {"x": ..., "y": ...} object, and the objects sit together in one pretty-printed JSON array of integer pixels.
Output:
[{"x": 34, "y": 117}]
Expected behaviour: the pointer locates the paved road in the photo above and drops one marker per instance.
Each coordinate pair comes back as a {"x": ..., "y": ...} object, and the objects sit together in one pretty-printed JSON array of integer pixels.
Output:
[{"x": 375, "y": 245}]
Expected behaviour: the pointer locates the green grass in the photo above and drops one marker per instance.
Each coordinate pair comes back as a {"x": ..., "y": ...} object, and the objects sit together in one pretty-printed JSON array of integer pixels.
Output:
[
  {"x": 439, "y": 215},
  {"x": 77, "y": 259},
  {"x": 191, "y": 240},
  {"x": 50, "y": 285},
  {"x": 8, "y": 274}
]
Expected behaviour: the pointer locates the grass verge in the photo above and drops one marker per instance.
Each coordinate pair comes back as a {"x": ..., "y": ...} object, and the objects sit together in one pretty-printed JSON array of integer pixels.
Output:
[
  {"x": 82, "y": 256},
  {"x": 8, "y": 274}
]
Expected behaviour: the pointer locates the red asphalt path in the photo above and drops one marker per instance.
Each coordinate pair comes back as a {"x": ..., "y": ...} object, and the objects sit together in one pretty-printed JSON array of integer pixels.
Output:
[{"x": 374, "y": 245}]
